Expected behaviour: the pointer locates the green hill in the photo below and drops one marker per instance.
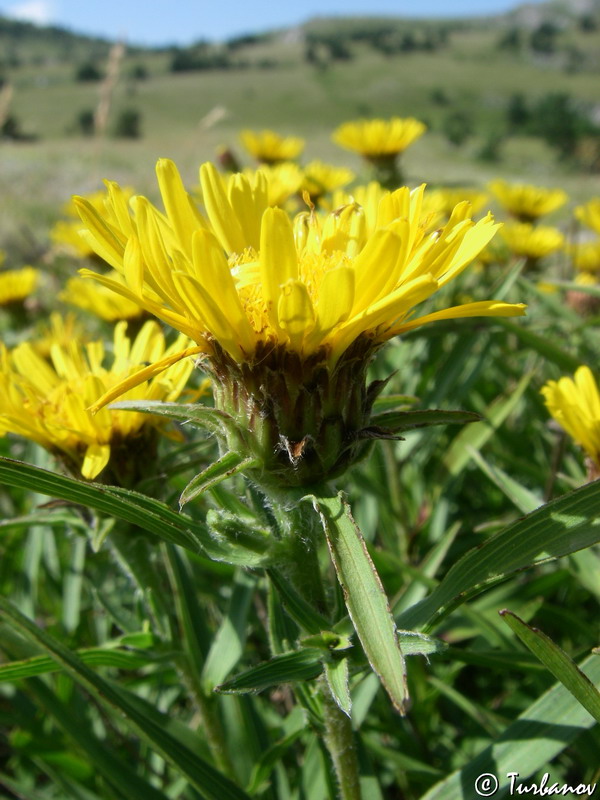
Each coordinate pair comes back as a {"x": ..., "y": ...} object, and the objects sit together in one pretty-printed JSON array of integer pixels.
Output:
[{"x": 477, "y": 83}]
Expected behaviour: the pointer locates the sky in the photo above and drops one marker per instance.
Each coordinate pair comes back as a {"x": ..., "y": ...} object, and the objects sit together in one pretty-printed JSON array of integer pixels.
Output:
[{"x": 161, "y": 22}]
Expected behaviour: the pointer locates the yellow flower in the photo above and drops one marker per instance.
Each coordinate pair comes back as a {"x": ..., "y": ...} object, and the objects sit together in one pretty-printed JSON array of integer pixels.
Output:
[
  {"x": 446, "y": 197},
  {"x": 379, "y": 138},
  {"x": 320, "y": 179},
  {"x": 306, "y": 287},
  {"x": 525, "y": 202},
  {"x": 48, "y": 403},
  {"x": 586, "y": 256},
  {"x": 282, "y": 181},
  {"x": 373, "y": 200},
  {"x": 533, "y": 242},
  {"x": 99, "y": 300},
  {"x": 589, "y": 214},
  {"x": 575, "y": 405},
  {"x": 17, "y": 284},
  {"x": 271, "y": 148},
  {"x": 269, "y": 300},
  {"x": 58, "y": 331}
]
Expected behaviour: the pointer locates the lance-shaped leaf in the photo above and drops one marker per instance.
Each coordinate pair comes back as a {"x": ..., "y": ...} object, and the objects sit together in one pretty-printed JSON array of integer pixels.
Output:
[
  {"x": 95, "y": 656},
  {"x": 225, "y": 467},
  {"x": 395, "y": 421},
  {"x": 300, "y": 665},
  {"x": 337, "y": 672},
  {"x": 557, "y": 662},
  {"x": 365, "y": 598},
  {"x": 197, "y": 415}
]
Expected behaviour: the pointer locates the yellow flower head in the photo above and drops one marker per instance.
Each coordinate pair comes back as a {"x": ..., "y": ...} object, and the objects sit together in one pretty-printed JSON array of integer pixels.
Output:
[
  {"x": 271, "y": 148},
  {"x": 99, "y": 300},
  {"x": 268, "y": 299},
  {"x": 446, "y": 198},
  {"x": 17, "y": 284},
  {"x": 525, "y": 240},
  {"x": 586, "y": 256},
  {"x": 244, "y": 275},
  {"x": 282, "y": 180},
  {"x": 575, "y": 405},
  {"x": 58, "y": 330},
  {"x": 525, "y": 202},
  {"x": 379, "y": 138},
  {"x": 48, "y": 402},
  {"x": 589, "y": 214},
  {"x": 320, "y": 179}
]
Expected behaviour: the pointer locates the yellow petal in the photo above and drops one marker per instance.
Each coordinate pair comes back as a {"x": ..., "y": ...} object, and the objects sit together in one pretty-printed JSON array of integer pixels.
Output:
[
  {"x": 336, "y": 298},
  {"x": 483, "y": 308},
  {"x": 226, "y": 227},
  {"x": 212, "y": 271},
  {"x": 143, "y": 375},
  {"x": 278, "y": 259},
  {"x": 295, "y": 312},
  {"x": 179, "y": 206},
  {"x": 103, "y": 238},
  {"x": 96, "y": 458}
]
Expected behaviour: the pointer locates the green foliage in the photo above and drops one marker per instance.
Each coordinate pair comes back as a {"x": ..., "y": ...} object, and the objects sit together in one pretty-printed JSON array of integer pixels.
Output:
[
  {"x": 88, "y": 72},
  {"x": 128, "y": 124}
]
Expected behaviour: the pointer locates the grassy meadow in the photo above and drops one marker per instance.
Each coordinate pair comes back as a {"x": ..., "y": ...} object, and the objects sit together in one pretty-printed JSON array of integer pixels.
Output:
[{"x": 201, "y": 615}]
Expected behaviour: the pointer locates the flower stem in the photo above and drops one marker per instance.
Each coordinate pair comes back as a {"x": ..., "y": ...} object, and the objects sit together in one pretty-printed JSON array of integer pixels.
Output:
[
  {"x": 339, "y": 740},
  {"x": 300, "y": 528}
]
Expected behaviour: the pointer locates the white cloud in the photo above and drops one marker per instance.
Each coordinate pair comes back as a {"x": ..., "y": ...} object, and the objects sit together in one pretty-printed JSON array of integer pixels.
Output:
[{"x": 39, "y": 12}]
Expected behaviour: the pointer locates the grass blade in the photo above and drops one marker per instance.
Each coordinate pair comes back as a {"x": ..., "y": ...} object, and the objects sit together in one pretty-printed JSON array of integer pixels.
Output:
[
  {"x": 557, "y": 662},
  {"x": 527, "y": 745},
  {"x": 563, "y": 526},
  {"x": 149, "y": 514},
  {"x": 199, "y": 773}
]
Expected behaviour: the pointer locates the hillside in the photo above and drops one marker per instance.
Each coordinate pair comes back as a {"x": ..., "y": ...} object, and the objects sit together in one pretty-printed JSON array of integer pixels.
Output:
[{"x": 486, "y": 89}]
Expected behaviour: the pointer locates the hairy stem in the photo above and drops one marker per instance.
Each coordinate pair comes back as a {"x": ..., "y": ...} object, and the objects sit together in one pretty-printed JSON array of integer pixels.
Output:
[{"x": 339, "y": 739}]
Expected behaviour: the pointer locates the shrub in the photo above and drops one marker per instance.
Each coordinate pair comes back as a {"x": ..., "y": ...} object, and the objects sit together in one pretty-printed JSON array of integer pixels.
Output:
[
  {"x": 88, "y": 71},
  {"x": 128, "y": 124}
]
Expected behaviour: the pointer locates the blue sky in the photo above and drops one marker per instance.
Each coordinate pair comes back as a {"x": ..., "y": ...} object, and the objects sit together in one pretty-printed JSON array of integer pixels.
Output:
[{"x": 184, "y": 21}]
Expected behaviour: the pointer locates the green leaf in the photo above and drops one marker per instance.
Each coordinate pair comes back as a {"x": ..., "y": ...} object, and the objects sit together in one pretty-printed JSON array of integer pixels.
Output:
[
  {"x": 544, "y": 345},
  {"x": 117, "y": 770},
  {"x": 557, "y": 662},
  {"x": 149, "y": 514},
  {"x": 476, "y": 435},
  {"x": 211, "y": 419},
  {"x": 592, "y": 289},
  {"x": 523, "y": 499},
  {"x": 228, "y": 645},
  {"x": 226, "y": 466},
  {"x": 52, "y": 517},
  {"x": 300, "y": 665},
  {"x": 417, "y": 644},
  {"x": 337, "y": 672},
  {"x": 395, "y": 421},
  {"x": 563, "y": 526},
  {"x": 199, "y": 773},
  {"x": 94, "y": 656},
  {"x": 527, "y": 745},
  {"x": 364, "y": 596},
  {"x": 391, "y": 402},
  {"x": 297, "y": 607}
]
